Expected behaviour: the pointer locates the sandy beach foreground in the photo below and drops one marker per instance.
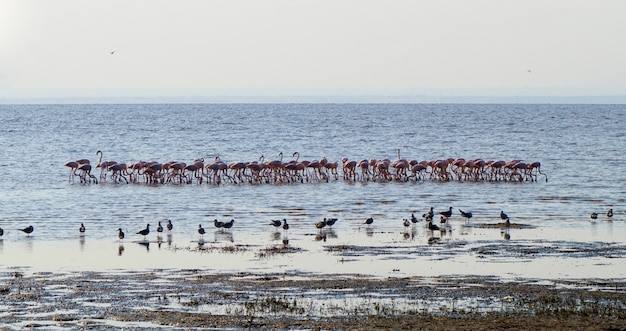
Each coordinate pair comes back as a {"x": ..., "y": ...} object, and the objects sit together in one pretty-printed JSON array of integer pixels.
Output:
[{"x": 190, "y": 298}]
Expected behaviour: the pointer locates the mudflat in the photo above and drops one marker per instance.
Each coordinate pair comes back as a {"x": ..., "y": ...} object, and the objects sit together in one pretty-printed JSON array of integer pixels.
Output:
[{"x": 194, "y": 298}]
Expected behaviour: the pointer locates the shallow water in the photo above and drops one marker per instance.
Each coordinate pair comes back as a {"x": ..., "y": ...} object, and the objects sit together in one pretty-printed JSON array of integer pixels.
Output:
[{"x": 580, "y": 148}]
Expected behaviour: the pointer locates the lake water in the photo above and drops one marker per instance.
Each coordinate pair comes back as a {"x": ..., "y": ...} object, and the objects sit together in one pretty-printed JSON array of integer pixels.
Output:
[{"x": 580, "y": 147}]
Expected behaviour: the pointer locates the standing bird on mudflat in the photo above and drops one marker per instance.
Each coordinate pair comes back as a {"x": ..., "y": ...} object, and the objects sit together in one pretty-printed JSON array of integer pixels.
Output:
[
  {"x": 285, "y": 225},
  {"x": 369, "y": 221},
  {"x": 413, "y": 218},
  {"x": 275, "y": 223},
  {"x": 228, "y": 225},
  {"x": 82, "y": 229},
  {"x": 503, "y": 216},
  {"x": 467, "y": 215},
  {"x": 1, "y": 232},
  {"x": 593, "y": 215},
  {"x": 609, "y": 213},
  {"x": 446, "y": 213},
  {"x": 406, "y": 223},
  {"x": 430, "y": 214},
  {"x": 120, "y": 234},
  {"x": 201, "y": 231},
  {"x": 331, "y": 221},
  {"x": 432, "y": 227},
  {"x": 28, "y": 230},
  {"x": 321, "y": 224},
  {"x": 159, "y": 228},
  {"x": 145, "y": 231},
  {"x": 218, "y": 224},
  {"x": 169, "y": 225}
]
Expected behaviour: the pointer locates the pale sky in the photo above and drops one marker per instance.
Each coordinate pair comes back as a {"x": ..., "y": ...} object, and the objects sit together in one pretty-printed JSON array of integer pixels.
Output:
[{"x": 285, "y": 47}]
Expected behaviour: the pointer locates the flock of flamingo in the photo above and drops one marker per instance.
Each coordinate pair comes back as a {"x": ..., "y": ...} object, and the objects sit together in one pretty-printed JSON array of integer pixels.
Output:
[{"x": 296, "y": 170}]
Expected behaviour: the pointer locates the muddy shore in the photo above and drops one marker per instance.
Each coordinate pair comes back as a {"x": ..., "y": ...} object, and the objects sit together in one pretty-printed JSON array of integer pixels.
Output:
[{"x": 182, "y": 299}]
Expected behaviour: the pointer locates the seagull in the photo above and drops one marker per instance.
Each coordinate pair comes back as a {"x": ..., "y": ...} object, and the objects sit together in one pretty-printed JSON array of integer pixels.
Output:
[
  {"x": 609, "y": 213},
  {"x": 82, "y": 228},
  {"x": 467, "y": 215},
  {"x": 170, "y": 226},
  {"x": 447, "y": 213},
  {"x": 145, "y": 231},
  {"x": 28, "y": 230},
  {"x": 201, "y": 231},
  {"x": 369, "y": 221},
  {"x": 120, "y": 234},
  {"x": 285, "y": 225}
]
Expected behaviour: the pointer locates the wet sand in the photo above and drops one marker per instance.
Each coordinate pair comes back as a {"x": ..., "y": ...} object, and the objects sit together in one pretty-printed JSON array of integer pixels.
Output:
[{"x": 181, "y": 299}]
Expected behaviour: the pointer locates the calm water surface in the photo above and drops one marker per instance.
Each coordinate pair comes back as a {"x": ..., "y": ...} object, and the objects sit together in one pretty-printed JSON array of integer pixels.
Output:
[{"x": 580, "y": 147}]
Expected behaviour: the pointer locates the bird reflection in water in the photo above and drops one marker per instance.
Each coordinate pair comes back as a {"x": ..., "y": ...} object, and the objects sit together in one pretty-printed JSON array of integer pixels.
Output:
[
  {"x": 146, "y": 244},
  {"x": 120, "y": 249},
  {"x": 224, "y": 236}
]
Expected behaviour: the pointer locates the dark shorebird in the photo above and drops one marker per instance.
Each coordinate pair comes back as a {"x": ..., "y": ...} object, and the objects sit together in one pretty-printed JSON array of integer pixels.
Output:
[
  {"x": 594, "y": 215},
  {"x": 159, "y": 228},
  {"x": 331, "y": 221},
  {"x": 120, "y": 234},
  {"x": 446, "y": 213},
  {"x": 413, "y": 218},
  {"x": 369, "y": 221},
  {"x": 503, "y": 215},
  {"x": 275, "y": 223},
  {"x": 169, "y": 225},
  {"x": 430, "y": 214},
  {"x": 467, "y": 215},
  {"x": 201, "y": 231},
  {"x": 609, "y": 213},
  {"x": 1, "y": 232},
  {"x": 218, "y": 224},
  {"x": 228, "y": 225},
  {"x": 321, "y": 224},
  {"x": 406, "y": 223},
  {"x": 145, "y": 231},
  {"x": 28, "y": 230},
  {"x": 82, "y": 228},
  {"x": 432, "y": 227},
  {"x": 442, "y": 220},
  {"x": 285, "y": 225}
]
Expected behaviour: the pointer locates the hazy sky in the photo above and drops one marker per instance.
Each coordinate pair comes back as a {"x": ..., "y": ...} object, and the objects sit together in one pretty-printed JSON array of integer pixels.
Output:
[{"x": 196, "y": 47}]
